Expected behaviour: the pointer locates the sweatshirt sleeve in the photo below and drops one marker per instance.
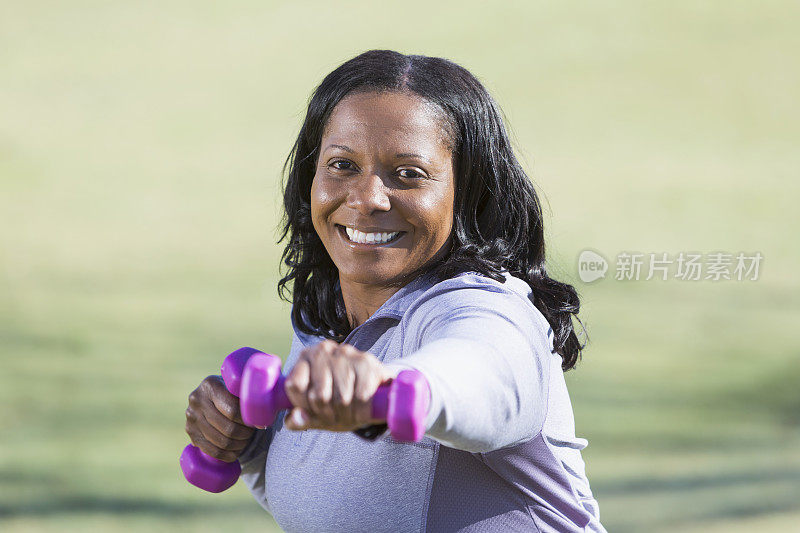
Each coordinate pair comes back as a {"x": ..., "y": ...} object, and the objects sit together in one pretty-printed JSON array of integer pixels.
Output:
[
  {"x": 253, "y": 462},
  {"x": 485, "y": 352}
]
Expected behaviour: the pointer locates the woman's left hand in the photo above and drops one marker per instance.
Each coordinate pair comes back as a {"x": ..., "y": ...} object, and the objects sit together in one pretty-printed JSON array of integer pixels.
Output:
[{"x": 331, "y": 387}]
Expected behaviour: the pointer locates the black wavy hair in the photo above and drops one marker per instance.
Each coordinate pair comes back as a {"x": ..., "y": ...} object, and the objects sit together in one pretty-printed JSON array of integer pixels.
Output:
[{"x": 497, "y": 222}]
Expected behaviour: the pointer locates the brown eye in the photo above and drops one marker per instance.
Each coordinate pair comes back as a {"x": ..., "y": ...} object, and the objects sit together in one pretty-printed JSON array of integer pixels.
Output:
[
  {"x": 411, "y": 174},
  {"x": 347, "y": 165}
]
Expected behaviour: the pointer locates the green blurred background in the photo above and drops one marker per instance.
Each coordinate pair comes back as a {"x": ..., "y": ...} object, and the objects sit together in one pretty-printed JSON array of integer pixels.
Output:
[{"x": 140, "y": 153}]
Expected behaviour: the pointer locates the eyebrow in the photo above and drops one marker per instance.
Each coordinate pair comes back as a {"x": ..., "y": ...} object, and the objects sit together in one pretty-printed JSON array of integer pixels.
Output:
[
  {"x": 413, "y": 156},
  {"x": 340, "y": 146},
  {"x": 402, "y": 154}
]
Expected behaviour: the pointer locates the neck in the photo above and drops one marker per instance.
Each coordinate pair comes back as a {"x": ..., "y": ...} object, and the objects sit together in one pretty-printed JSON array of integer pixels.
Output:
[{"x": 362, "y": 300}]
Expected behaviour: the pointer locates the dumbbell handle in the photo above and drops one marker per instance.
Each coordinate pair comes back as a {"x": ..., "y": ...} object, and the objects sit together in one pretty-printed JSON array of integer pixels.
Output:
[
  {"x": 403, "y": 402},
  {"x": 199, "y": 468},
  {"x": 258, "y": 407}
]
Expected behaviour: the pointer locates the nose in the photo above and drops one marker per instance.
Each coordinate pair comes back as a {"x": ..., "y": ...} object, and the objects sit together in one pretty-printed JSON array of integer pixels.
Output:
[{"x": 368, "y": 195}]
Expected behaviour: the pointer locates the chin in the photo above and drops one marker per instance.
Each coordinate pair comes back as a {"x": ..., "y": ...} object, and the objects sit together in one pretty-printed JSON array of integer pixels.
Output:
[{"x": 370, "y": 276}]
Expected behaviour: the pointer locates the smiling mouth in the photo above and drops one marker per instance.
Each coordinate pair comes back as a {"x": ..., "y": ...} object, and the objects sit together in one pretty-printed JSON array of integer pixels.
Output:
[{"x": 369, "y": 239}]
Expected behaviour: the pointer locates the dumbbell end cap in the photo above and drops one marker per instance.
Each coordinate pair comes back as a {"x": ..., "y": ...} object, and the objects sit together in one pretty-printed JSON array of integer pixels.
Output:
[
  {"x": 262, "y": 393},
  {"x": 409, "y": 401},
  {"x": 206, "y": 472},
  {"x": 233, "y": 367}
]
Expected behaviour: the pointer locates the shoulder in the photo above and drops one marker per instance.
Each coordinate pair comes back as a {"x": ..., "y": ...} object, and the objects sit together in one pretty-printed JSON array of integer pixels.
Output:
[
  {"x": 473, "y": 289},
  {"x": 508, "y": 300},
  {"x": 300, "y": 339}
]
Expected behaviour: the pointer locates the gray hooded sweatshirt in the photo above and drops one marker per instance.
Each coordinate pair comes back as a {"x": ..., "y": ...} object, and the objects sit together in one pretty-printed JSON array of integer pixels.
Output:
[{"x": 499, "y": 453}]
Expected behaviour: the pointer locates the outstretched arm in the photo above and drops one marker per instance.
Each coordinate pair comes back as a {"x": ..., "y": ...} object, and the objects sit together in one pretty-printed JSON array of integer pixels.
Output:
[{"x": 486, "y": 356}]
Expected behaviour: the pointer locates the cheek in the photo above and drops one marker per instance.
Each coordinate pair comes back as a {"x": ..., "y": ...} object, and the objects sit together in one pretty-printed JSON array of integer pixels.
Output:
[
  {"x": 320, "y": 199},
  {"x": 326, "y": 193},
  {"x": 318, "y": 207},
  {"x": 315, "y": 192},
  {"x": 435, "y": 216}
]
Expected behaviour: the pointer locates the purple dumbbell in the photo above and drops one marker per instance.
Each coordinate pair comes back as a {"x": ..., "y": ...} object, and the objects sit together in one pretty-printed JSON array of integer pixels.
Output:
[
  {"x": 200, "y": 469},
  {"x": 403, "y": 402}
]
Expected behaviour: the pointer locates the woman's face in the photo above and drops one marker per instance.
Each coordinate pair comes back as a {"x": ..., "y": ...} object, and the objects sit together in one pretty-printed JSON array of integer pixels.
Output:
[{"x": 385, "y": 178}]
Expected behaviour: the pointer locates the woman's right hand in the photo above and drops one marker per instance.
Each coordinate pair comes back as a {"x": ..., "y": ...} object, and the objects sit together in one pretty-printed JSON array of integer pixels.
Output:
[{"x": 214, "y": 422}]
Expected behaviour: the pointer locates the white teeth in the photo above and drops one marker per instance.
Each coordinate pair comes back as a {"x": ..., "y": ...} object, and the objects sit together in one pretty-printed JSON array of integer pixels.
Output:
[{"x": 369, "y": 238}]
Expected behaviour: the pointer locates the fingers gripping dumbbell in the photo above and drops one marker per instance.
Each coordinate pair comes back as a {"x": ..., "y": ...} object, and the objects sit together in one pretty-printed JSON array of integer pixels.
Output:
[
  {"x": 200, "y": 469},
  {"x": 402, "y": 402}
]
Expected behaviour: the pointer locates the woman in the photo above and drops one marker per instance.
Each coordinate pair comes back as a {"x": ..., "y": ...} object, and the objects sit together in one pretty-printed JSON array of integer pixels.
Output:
[{"x": 415, "y": 240}]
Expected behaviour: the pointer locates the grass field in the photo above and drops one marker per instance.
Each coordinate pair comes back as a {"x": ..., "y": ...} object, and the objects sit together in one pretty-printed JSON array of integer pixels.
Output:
[{"x": 140, "y": 151}]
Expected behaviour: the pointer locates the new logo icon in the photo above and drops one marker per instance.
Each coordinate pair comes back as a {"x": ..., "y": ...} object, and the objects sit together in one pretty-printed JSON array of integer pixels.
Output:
[{"x": 591, "y": 266}]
